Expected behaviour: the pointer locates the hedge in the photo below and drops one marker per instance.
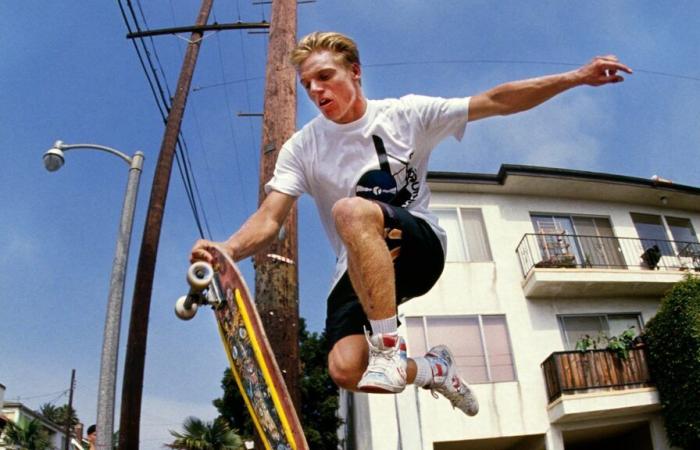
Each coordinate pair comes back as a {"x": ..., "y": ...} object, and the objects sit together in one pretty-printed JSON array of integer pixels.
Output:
[{"x": 673, "y": 343}]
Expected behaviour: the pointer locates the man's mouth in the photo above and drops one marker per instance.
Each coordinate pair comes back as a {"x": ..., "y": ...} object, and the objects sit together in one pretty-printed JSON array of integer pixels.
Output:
[{"x": 324, "y": 102}]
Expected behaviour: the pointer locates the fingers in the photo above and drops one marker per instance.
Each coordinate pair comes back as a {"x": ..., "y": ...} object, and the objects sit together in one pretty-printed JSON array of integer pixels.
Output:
[
  {"x": 603, "y": 70},
  {"x": 611, "y": 62},
  {"x": 202, "y": 251}
]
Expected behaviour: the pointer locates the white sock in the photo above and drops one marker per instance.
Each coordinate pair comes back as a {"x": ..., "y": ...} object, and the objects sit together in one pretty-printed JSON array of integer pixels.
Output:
[
  {"x": 384, "y": 326},
  {"x": 424, "y": 373}
]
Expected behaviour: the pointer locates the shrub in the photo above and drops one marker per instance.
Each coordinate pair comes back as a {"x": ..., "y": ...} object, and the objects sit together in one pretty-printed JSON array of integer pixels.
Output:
[{"x": 673, "y": 342}]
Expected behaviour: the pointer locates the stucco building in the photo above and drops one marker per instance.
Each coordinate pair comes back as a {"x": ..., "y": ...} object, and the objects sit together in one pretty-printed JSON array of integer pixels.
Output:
[{"x": 537, "y": 259}]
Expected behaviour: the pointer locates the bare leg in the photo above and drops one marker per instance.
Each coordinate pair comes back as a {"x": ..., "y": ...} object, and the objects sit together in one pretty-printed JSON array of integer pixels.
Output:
[{"x": 360, "y": 225}]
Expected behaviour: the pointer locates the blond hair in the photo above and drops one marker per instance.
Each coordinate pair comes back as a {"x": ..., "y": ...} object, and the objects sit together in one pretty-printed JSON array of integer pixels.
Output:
[{"x": 343, "y": 46}]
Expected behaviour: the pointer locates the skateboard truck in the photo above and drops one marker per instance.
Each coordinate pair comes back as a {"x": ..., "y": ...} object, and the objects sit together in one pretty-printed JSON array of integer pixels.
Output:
[{"x": 200, "y": 277}]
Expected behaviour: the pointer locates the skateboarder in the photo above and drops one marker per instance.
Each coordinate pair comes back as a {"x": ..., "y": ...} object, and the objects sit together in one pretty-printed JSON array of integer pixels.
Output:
[{"x": 365, "y": 164}]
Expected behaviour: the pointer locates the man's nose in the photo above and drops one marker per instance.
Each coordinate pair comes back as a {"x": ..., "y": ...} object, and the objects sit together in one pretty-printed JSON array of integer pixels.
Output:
[{"x": 314, "y": 86}]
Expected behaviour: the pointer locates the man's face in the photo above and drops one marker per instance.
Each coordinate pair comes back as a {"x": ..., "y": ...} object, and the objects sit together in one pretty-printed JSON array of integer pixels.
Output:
[
  {"x": 92, "y": 437},
  {"x": 333, "y": 87}
]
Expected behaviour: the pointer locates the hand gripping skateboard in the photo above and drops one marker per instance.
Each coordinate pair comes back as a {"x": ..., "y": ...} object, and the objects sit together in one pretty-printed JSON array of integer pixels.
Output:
[{"x": 252, "y": 362}]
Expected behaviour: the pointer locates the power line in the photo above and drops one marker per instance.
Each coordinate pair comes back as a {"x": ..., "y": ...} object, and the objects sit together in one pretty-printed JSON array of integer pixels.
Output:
[
  {"x": 224, "y": 83},
  {"x": 33, "y": 397},
  {"x": 181, "y": 156},
  {"x": 229, "y": 121},
  {"x": 511, "y": 61},
  {"x": 159, "y": 89},
  {"x": 465, "y": 61}
]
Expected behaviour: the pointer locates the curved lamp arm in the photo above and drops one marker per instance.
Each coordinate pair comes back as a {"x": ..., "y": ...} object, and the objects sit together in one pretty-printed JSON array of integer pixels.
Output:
[{"x": 53, "y": 158}]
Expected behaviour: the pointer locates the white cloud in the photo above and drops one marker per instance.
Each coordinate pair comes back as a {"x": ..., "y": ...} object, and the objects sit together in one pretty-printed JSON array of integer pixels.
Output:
[{"x": 567, "y": 132}]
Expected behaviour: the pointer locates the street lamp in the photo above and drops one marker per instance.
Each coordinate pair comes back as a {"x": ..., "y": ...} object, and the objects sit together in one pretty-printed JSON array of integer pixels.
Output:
[{"x": 53, "y": 160}]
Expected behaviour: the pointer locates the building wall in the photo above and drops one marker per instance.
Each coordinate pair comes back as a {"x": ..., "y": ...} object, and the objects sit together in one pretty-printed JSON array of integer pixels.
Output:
[
  {"x": 16, "y": 412},
  {"x": 516, "y": 408}
]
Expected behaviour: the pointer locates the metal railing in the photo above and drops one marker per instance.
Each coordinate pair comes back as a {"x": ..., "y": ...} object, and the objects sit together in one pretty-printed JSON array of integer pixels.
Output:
[
  {"x": 577, "y": 372},
  {"x": 542, "y": 250}
]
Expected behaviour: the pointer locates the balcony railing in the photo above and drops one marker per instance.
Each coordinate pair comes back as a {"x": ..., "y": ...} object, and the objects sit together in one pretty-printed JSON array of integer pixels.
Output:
[
  {"x": 577, "y": 372},
  {"x": 578, "y": 251}
]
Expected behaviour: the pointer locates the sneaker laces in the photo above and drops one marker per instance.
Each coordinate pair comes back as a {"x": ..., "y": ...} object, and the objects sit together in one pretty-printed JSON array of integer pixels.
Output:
[
  {"x": 454, "y": 397},
  {"x": 383, "y": 354}
]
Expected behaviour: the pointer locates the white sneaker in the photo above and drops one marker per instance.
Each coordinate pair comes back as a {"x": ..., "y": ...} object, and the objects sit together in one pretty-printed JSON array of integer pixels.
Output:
[
  {"x": 386, "y": 369},
  {"x": 447, "y": 382}
]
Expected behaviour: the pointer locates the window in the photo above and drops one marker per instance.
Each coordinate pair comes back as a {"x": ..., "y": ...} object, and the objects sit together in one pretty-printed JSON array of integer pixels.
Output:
[
  {"x": 589, "y": 240},
  {"x": 480, "y": 344},
  {"x": 466, "y": 234},
  {"x": 681, "y": 229},
  {"x": 652, "y": 231},
  {"x": 575, "y": 327}
]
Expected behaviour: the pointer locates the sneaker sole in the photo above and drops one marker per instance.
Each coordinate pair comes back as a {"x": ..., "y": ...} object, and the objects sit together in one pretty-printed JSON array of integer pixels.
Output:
[{"x": 380, "y": 390}]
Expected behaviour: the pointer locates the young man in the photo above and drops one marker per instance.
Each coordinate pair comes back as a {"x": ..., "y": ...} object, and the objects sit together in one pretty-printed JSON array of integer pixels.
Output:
[{"x": 365, "y": 164}]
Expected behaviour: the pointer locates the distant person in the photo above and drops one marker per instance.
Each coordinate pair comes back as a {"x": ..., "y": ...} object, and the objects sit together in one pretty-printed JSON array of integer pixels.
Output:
[
  {"x": 91, "y": 437},
  {"x": 365, "y": 163}
]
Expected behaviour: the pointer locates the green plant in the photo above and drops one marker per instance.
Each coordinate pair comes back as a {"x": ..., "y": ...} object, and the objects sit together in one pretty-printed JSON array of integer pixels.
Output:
[
  {"x": 200, "y": 435},
  {"x": 673, "y": 347},
  {"x": 25, "y": 435},
  {"x": 620, "y": 345},
  {"x": 586, "y": 342}
]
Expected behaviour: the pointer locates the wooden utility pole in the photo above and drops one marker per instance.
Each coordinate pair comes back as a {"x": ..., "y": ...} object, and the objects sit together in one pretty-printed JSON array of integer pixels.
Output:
[
  {"x": 69, "y": 424},
  {"x": 134, "y": 363},
  {"x": 276, "y": 286}
]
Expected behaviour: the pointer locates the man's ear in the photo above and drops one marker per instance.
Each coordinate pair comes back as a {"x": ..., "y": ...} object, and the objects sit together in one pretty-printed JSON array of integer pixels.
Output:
[{"x": 356, "y": 71}]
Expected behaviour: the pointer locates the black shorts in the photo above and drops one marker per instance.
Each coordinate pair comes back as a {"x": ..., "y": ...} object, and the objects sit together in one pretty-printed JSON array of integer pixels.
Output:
[{"x": 417, "y": 268}]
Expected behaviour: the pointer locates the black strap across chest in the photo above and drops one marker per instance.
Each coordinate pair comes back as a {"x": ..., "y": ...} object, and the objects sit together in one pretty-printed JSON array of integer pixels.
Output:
[{"x": 381, "y": 154}]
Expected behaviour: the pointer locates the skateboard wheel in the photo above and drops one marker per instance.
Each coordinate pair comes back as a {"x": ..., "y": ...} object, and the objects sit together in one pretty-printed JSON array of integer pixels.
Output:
[
  {"x": 185, "y": 310},
  {"x": 200, "y": 275}
]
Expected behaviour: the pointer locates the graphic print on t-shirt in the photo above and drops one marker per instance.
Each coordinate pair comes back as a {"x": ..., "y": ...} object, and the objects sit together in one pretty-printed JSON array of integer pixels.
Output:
[{"x": 381, "y": 184}]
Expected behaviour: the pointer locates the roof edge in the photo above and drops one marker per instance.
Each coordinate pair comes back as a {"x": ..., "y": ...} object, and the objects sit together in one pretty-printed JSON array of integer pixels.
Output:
[{"x": 550, "y": 172}]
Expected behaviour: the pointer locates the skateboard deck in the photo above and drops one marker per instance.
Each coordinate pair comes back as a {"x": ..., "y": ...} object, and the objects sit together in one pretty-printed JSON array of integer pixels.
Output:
[{"x": 249, "y": 353}]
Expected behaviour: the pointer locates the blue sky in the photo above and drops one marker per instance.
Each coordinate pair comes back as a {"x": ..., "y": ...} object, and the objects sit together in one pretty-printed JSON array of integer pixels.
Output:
[{"x": 68, "y": 72}]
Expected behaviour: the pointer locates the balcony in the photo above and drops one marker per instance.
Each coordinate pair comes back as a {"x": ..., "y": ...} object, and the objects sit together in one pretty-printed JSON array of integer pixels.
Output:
[
  {"x": 598, "y": 383},
  {"x": 566, "y": 265}
]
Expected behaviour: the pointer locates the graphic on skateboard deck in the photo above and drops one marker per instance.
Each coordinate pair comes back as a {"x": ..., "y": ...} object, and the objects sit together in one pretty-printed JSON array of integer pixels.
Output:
[{"x": 252, "y": 362}]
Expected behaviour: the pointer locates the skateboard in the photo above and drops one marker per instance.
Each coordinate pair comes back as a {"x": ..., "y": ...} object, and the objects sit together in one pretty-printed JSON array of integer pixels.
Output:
[{"x": 253, "y": 364}]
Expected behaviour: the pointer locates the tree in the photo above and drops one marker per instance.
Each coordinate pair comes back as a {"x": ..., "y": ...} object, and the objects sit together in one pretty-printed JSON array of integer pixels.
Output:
[
  {"x": 200, "y": 435},
  {"x": 59, "y": 414},
  {"x": 673, "y": 342},
  {"x": 319, "y": 396},
  {"x": 25, "y": 435},
  {"x": 50, "y": 412}
]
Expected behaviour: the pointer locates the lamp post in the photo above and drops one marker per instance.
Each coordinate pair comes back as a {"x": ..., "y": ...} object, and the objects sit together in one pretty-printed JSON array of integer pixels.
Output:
[{"x": 53, "y": 160}]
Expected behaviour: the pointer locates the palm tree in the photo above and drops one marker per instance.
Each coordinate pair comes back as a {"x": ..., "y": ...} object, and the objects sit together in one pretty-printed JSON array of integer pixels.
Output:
[
  {"x": 50, "y": 412},
  {"x": 25, "y": 435},
  {"x": 58, "y": 414},
  {"x": 200, "y": 435}
]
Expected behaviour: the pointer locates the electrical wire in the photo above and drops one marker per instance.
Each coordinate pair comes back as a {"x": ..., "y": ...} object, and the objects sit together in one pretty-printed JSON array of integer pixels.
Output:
[
  {"x": 229, "y": 122},
  {"x": 510, "y": 61},
  {"x": 159, "y": 89}
]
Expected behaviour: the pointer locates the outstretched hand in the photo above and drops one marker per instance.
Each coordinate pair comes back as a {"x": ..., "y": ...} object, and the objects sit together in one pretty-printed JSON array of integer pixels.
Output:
[{"x": 602, "y": 70}]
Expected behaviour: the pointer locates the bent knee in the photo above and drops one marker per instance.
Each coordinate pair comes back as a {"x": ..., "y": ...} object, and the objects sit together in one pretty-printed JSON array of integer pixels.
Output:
[
  {"x": 346, "y": 369},
  {"x": 344, "y": 379},
  {"x": 351, "y": 212}
]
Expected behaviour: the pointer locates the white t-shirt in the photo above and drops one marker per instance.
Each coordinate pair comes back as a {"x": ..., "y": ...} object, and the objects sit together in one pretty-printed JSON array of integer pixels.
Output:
[{"x": 326, "y": 159}]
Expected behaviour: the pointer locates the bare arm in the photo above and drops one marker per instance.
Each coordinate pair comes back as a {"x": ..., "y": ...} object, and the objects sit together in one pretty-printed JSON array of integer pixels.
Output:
[
  {"x": 517, "y": 96},
  {"x": 256, "y": 233}
]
